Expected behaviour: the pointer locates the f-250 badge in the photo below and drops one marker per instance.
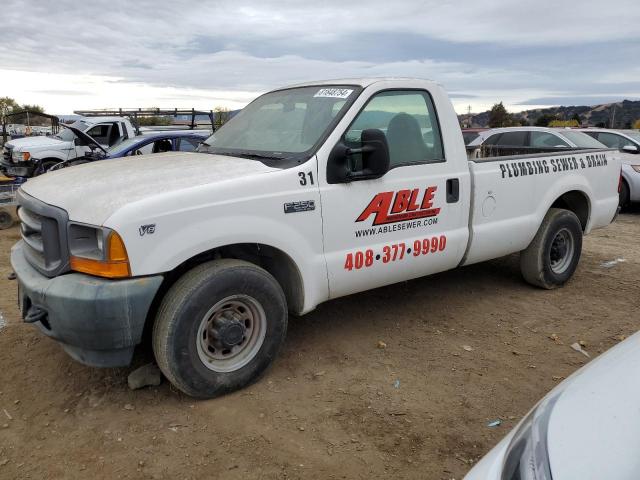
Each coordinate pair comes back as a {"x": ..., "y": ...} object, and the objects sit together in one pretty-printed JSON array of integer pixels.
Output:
[
  {"x": 150, "y": 229},
  {"x": 391, "y": 207}
]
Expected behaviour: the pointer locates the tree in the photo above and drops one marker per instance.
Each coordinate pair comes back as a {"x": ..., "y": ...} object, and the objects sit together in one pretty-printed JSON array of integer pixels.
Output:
[
  {"x": 499, "y": 117},
  {"x": 576, "y": 117},
  {"x": 7, "y": 106},
  {"x": 564, "y": 123},
  {"x": 544, "y": 120},
  {"x": 636, "y": 125},
  {"x": 32, "y": 108},
  {"x": 154, "y": 120},
  {"x": 220, "y": 116}
]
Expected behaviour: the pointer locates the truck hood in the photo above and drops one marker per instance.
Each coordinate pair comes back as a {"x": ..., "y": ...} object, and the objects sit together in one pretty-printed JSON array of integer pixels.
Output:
[
  {"x": 36, "y": 143},
  {"x": 92, "y": 192}
]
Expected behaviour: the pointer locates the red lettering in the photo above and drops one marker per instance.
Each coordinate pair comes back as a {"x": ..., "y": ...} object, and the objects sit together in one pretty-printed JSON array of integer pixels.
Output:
[
  {"x": 379, "y": 205},
  {"x": 412, "y": 201},
  {"x": 401, "y": 202},
  {"x": 427, "y": 201}
]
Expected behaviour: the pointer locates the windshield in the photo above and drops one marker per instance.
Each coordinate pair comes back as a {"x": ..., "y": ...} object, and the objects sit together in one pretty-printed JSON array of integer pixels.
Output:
[
  {"x": 68, "y": 135},
  {"x": 283, "y": 124},
  {"x": 582, "y": 140},
  {"x": 122, "y": 146}
]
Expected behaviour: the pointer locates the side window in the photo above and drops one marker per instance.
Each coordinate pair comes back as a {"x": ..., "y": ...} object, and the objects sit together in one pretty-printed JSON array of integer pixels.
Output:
[
  {"x": 493, "y": 139},
  {"x": 187, "y": 144},
  {"x": 513, "y": 139},
  {"x": 100, "y": 133},
  {"x": 546, "y": 140},
  {"x": 144, "y": 149},
  {"x": 612, "y": 140},
  {"x": 408, "y": 120},
  {"x": 162, "y": 145}
]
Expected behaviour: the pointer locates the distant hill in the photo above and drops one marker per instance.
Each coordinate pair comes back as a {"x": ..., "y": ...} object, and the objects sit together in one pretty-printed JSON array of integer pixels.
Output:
[{"x": 626, "y": 113}]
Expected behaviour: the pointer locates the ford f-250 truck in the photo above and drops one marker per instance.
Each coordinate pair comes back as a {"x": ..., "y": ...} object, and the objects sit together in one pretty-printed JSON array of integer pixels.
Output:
[{"x": 310, "y": 193}]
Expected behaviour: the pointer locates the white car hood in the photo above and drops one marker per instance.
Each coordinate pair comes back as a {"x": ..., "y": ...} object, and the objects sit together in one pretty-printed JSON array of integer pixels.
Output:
[
  {"x": 35, "y": 143},
  {"x": 91, "y": 193},
  {"x": 594, "y": 428}
]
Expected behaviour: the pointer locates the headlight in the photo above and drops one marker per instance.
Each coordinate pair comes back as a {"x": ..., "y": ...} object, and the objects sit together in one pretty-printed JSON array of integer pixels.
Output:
[
  {"x": 97, "y": 251},
  {"x": 527, "y": 457},
  {"x": 636, "y": 168},
  {"x": 21, "y": 156}
]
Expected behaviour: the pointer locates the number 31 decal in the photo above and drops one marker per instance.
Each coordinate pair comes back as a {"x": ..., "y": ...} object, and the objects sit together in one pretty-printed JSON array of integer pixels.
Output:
[{"x": 303, "y": 178}]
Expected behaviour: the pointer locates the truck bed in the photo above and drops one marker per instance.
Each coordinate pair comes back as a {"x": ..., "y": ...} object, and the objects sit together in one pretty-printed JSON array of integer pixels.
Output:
[{"x": 504, "y": 219}]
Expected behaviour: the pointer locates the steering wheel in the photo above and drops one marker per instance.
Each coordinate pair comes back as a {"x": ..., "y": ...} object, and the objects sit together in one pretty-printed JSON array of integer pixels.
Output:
[{"x": 138, "y": 152}]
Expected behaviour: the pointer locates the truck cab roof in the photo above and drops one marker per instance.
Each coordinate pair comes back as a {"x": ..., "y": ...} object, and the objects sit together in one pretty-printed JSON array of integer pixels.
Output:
[{"x": 361, "y": 82}]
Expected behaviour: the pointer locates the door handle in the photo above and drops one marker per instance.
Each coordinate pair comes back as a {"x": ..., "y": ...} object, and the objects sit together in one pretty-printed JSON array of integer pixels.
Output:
[{"x": 453, "y": 190}]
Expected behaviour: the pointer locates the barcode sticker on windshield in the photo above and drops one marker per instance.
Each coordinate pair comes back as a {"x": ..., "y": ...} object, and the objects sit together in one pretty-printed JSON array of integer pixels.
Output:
[{"x": 334, "y": 92}]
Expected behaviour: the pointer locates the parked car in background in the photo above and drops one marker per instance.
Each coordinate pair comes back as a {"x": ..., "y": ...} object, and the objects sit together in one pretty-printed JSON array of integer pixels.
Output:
[
  {"x": 158, "y": 142},
  {"x": 520, "y": 140},
  {"x": 31, "y": 156},
  {"x": 470, "y": 134},
  {"x": 586, "y": 428},
  {"x": 628, "y": 142}
]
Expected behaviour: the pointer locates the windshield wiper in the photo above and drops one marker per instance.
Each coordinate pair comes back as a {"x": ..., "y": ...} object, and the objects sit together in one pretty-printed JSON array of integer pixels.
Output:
[
  {"x": 246, "y": 154},
  {"x": 258, "y": 156}
]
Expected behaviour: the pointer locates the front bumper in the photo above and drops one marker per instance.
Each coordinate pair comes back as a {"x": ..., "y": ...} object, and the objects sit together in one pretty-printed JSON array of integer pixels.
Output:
[
  {"x": 18, "y": 169},
  {"x": 97, "y": 321}
]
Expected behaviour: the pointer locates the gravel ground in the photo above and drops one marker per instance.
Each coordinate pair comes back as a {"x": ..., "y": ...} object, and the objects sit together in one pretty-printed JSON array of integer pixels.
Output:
[{"x": 461, "y": 349}]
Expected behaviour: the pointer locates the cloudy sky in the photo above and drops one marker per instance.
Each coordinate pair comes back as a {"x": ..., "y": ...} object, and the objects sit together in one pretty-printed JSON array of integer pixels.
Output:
[{"x": 67, "y": 55}]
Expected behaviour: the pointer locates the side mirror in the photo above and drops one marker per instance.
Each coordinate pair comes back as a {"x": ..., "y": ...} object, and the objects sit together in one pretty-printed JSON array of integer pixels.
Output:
[
  {"x": 375, "y": 159},
  {"x": 630, "y": 149}
]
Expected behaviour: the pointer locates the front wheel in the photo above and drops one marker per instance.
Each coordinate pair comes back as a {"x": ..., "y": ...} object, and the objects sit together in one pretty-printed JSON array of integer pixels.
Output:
[
  {"x": 219, "y": 327},
  {"x": 552, "y": 257}
]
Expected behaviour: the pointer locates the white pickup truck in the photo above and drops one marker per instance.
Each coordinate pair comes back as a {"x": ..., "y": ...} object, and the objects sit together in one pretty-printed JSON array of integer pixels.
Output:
[
  {"x": 30, "y": 156},
  {"x": 312, "y": 192}
]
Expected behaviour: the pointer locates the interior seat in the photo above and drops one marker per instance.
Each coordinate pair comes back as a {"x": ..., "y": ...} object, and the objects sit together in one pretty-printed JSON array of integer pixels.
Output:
[{"x": 404, "y": 138}]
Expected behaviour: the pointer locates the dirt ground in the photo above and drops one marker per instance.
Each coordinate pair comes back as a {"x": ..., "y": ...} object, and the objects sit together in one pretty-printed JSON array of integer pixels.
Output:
[{"x": 333, "y": 405}]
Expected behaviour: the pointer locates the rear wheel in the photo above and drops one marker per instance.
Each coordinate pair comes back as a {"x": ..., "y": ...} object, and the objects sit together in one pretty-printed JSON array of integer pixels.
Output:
[
  {"x": 624, "y": 194},
  {"x": 219, "y": 327},
  {"x": 552, "y": 257}
]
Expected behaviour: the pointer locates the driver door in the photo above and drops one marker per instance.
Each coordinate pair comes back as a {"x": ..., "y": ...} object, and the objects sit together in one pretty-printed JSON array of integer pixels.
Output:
[{"x": 408, "y": 223}]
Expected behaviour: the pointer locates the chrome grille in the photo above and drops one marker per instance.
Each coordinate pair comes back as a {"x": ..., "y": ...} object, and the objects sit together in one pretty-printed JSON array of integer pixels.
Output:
[{"x": 43, "y": 230}]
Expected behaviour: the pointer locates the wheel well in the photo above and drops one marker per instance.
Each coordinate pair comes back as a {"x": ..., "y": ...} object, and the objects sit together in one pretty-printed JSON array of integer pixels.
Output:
[
  {"x": 273, "y": 260},
  {"x": 50, "y": 159},
  {"x": 576, "y": 202}
]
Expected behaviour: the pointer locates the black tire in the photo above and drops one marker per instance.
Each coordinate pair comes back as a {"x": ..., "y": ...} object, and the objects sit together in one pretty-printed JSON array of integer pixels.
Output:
[
  {"x": 177, "y": 340},
  {"x": 44, "y": 167},
  {"x": 6, "y": 220},
  {"x": 624, "y": 194},
  {"x": 548, "y": 262}
]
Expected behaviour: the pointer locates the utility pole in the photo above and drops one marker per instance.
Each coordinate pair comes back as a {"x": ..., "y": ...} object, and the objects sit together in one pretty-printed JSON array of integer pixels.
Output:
[{"x": 613, "y": 116}]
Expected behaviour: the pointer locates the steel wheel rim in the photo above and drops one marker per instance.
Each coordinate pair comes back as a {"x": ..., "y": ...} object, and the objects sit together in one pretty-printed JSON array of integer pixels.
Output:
[
  {"x": 561, "y": 253},
  {"x": 220, "y": 326}
]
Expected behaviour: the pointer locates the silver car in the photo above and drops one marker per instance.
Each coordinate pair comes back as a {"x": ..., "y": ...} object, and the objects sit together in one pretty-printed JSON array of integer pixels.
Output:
[
  {"x": 587, "y": 428},
  {"x": 518, "y": 140},
  {"x": 628, "y": 142}
]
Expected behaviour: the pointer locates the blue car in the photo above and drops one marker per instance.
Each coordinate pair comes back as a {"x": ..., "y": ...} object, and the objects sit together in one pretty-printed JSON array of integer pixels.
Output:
[{"x": 156, "y": 142}]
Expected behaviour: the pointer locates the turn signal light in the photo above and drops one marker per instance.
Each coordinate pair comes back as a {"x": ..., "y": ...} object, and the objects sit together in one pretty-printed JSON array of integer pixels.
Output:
[
  {"x": 116, "y": 264},
  {"x": 26, "y": 156}
]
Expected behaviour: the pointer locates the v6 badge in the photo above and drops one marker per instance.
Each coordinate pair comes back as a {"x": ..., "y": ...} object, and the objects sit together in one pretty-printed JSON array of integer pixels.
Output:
[{"x": 150, "y": 229}]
